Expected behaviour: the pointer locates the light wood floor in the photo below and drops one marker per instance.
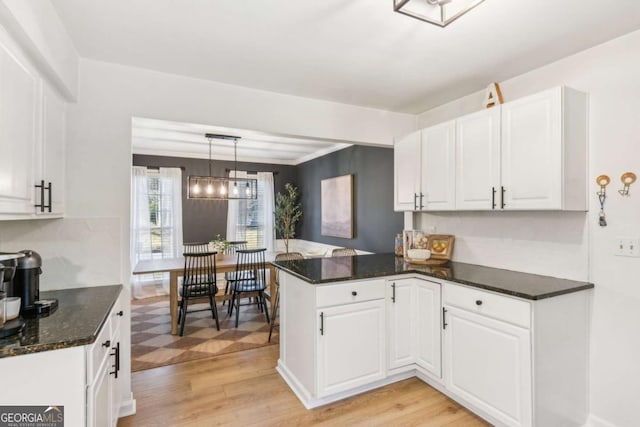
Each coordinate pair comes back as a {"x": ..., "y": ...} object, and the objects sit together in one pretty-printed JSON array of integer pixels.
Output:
[{"x": 243, "y": 389}]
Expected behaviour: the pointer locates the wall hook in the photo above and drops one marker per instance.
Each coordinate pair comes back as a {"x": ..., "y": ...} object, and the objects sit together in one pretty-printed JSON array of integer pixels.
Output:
[
  {"x": 602, "y": 181},
  {"x": 627, "y": 179}
]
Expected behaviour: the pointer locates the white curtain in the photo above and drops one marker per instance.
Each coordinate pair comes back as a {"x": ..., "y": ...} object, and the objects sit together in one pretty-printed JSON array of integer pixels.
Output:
[
  {"x": 156, "y": 225},
  {"x": 266, "y": 180},
  {"x": 239, "y": 218},
  {"x": 171, "y": 191},
  {"x": 140, "y": 226},
  {"x": 233, "y": 208}
]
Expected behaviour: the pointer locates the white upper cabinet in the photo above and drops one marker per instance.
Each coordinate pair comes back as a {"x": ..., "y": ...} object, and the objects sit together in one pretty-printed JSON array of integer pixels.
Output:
[
  {"x": 438, "y": 164},
  {"x": 32, "y": 139},
  {"x": 20, "y": 92},
  {"x": 52, "y": 153},
  {"x": 544, "y": 151},
  {"x": 406, "y": 158},
  {"x": 528, "y": 154},
  {"x": 478, "y": 160}
]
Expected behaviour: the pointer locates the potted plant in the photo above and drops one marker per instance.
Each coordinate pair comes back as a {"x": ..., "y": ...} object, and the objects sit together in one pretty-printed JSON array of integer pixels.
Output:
[
  {"x": 219, "y": 245},
  {"x": 287, "y": 213}
]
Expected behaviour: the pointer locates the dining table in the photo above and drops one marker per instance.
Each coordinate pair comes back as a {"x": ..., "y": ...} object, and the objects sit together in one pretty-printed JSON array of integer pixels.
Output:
[{"x": 175, "y": 268}]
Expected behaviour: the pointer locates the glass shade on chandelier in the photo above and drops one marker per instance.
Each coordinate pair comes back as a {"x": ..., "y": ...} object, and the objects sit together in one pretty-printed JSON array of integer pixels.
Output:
[
  {"x": 217, "y": 188},
  {"x": 437, "y": 12},
  {"x": 221, "y": 188}
]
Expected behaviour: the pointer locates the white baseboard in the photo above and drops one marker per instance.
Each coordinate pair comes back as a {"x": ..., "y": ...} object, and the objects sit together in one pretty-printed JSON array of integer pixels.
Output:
[
  {"x": 594, "y": 421},
  {"x": 128, "y": 407}
]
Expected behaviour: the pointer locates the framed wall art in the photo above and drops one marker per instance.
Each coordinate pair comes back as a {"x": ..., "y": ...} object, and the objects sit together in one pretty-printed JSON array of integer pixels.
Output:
[{"x": 336, "y": 204}]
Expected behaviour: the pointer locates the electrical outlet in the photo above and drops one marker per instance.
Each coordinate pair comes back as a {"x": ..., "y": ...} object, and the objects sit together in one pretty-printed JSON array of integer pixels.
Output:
[
  {"x": 431, "y": 229},
  {"x": 628, "y": 246}
]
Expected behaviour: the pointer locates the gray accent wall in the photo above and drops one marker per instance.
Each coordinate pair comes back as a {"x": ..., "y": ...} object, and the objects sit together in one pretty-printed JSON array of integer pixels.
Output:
[
  {"x": 375, "y": 222},
  {"x": 203, "y": 219}
]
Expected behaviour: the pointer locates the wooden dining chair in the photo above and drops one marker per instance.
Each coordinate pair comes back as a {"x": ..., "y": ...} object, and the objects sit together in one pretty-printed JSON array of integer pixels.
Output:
[
  {"x": 343, "y": 252},
  {"x": 290, "y": 256},
  {"x": 229, "y": 277},
  {"x": 196, "y": 247},
  {"x": 250, "y": 280},
  {"x": 199, "y": 281}
]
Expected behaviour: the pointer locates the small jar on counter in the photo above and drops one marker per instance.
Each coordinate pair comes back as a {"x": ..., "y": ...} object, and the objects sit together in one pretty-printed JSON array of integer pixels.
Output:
[{"x": 399, "y": 245}]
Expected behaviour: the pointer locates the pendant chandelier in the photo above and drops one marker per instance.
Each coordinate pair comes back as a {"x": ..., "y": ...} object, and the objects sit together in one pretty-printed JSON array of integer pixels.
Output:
[
  {"x": 222, "y": 188},
  {"x": 437, "y": 12}
]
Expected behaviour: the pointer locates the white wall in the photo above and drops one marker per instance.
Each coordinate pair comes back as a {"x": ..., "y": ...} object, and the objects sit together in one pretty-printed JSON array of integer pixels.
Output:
[{"x": 558, "y": 243}]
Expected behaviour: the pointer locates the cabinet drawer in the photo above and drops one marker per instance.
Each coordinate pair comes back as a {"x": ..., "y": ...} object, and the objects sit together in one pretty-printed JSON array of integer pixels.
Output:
[
  {"x": 489, "y": 304},
  {"x": 349, "y": 292},
  {"x": 98, "y": 351}
]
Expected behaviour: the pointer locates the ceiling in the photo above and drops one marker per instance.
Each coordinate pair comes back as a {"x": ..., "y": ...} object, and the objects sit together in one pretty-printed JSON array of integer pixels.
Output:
[
  {"x": 165, "y": 138},
  {"x": 350, "y": 51}
]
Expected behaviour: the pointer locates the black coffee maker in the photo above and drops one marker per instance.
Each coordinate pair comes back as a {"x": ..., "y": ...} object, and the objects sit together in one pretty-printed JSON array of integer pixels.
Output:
[{"x": 26, "y": 285}]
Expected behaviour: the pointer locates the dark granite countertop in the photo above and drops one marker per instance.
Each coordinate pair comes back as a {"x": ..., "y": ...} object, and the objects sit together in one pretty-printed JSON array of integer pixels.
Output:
[
  {"x": 80, "y": 315},
  {"x": 522, "y": 285}
]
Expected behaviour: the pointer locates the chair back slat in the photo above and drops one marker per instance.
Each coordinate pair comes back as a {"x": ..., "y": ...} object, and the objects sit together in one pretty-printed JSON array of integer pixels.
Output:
[
  {"x": 235, "y": 246},
  {"x": 251, "y": 266},
  {"x": 289, "y": 256},
  {"x": 199, "y": 274},
  {"x": 344, "y": 252},
  {"x": 196, "y": 247}
]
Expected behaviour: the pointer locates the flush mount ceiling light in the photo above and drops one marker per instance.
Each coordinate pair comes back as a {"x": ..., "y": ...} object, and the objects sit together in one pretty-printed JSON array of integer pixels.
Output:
[
  {"x": 437, "y": 12},
  {"x": 222, "y": 188}
]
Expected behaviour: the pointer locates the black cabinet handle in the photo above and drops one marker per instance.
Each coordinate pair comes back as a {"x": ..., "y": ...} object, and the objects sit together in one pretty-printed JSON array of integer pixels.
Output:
[
  {"x": 393, "y": 295},
  {"x": 502, "y": 203},
  {"x": 50, "y": 200},
  {"x": 421, "y": 197},
  {"x": 107, "y": 343},
  {"x": 321, "y": 323},
  {"x": 354, "y": 293},
  {"x": 444, "y": 322},
  {"x": 116, "y": 365},
  {"x": 42, "y": 188},
  {"x": 478, "y": 302},
  {"x": 415, "y": 201},
  {"x": 493, "y": 197},
  {"x": 120, "y": 313}
]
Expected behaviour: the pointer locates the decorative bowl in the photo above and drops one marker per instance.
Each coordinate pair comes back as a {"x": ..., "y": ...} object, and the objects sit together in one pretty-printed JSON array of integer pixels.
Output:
[{"x": 419, "y": 254}]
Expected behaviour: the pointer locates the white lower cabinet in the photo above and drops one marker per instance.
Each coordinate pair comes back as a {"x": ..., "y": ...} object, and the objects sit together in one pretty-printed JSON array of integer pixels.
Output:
[
  {"x": 488, "y": 363},
  {"x": 82, "y": 379},
  {"x": 350, "y": 346},
  {"x": 515, "y": 362},
  {"x": 103, "y": 368},
  {"x": 413, "y": 313},
  {"x": 401, "y": 309}
]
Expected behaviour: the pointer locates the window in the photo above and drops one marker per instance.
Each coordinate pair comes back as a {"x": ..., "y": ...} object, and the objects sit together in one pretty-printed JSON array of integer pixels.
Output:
[
  {"x": 252, "y": 220},
  {"x": 156, "y": 221}
]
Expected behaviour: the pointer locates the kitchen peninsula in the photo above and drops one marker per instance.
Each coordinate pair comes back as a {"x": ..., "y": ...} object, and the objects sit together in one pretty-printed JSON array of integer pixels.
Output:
[{"x": 510, "y": 346}]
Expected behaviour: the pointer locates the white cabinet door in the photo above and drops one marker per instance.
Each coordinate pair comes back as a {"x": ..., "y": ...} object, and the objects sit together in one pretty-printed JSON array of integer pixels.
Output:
[
  {"x": 350, "y": 346},
  {"x": 52, "y": 151},
  {"x": 406, "y": 166},
  {"x": 532, "y": 148},
  {"x": 114, "y": 378},
  {"x": 488, "y": 364},
  {"x": 428, "y": 321},
  {"x": 401, "y": 309},
  {"x": 20, "y": 95},
  {"x": 438, "y": 167},
  {"x": 99, "y": 399},
  {"x": 478, "y": 160}
]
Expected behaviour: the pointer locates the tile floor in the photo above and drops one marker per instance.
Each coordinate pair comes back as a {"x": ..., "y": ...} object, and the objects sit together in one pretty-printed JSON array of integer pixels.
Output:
[{"x": 152, "y": 344}]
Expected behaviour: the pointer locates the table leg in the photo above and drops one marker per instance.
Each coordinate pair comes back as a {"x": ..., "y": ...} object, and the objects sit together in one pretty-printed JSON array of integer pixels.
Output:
[
  {"x": 272, "y": 290},
  {"x": 173, "y": 301}
]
